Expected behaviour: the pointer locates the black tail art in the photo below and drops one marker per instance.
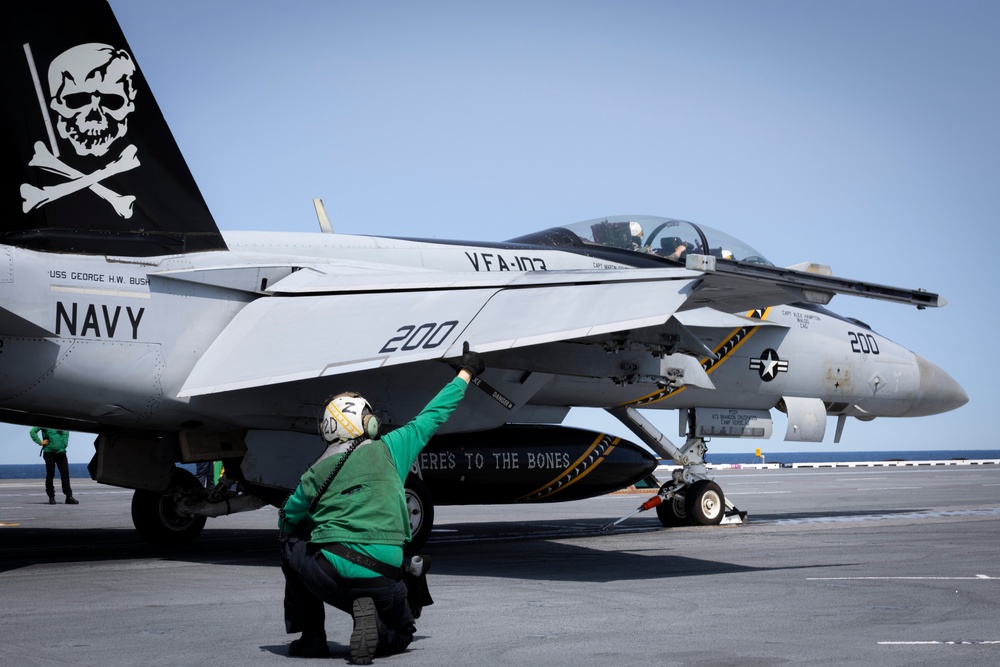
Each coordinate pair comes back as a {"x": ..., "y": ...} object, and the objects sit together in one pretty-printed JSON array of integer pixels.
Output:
[{"x": 92, "y": 167}]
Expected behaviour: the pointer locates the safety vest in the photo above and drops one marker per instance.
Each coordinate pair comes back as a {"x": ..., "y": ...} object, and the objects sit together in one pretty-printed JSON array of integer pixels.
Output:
[{"x": 365, "y": 504}]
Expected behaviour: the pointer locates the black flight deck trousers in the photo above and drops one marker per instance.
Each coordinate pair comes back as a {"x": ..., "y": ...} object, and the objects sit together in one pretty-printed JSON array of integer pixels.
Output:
[
  {"x": 310, "y": 580},
  {"x": 51, "y": 461}
]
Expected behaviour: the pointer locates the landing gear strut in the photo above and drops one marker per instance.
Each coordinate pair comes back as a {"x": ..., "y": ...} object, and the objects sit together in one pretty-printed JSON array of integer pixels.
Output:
[{"x": 690, "y": 497}]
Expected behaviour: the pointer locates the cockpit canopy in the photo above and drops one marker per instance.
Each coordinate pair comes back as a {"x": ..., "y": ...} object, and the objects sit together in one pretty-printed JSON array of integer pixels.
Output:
[{"x": 664, "y": 237}]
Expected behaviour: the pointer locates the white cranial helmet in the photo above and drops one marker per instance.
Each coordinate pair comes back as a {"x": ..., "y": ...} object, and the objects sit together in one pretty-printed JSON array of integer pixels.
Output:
[
  {"x": 347, "y": 416},
  {"x": 635, "y": 229}
]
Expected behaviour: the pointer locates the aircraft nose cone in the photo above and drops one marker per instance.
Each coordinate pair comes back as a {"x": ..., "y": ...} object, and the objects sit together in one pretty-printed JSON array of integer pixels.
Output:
[{"x": 938, "y": 391}]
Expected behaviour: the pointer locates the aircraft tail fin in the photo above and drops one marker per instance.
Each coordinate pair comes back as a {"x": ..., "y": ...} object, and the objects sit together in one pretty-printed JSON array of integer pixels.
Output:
[{"x": 92, "y": 166}]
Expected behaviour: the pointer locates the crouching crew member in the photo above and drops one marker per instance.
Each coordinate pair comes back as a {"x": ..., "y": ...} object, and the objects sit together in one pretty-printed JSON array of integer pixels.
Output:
[{"x": 344, "y": 527}]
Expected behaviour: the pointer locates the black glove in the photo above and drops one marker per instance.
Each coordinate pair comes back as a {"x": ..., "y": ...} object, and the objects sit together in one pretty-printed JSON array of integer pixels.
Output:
[{"x": 471, "y": 361}]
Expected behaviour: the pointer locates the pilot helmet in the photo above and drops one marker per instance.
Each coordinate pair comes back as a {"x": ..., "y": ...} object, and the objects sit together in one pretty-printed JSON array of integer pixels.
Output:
[
  {"x": 347, "y": 416},
  {"x": 635, "y": 229}
]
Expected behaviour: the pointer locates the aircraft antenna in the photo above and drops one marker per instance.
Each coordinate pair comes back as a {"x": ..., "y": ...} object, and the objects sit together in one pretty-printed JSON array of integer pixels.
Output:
[{"x": 324, "y": 220}]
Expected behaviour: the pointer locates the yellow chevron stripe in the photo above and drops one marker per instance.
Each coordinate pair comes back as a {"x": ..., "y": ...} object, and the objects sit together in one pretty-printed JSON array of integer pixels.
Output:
[
  {"x": 569, "y": 471},
  {"x": 707, "y": 363}
]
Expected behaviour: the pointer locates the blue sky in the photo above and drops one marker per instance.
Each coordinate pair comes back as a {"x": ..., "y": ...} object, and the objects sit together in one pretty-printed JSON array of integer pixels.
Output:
[{"x": 863, "y": 135}]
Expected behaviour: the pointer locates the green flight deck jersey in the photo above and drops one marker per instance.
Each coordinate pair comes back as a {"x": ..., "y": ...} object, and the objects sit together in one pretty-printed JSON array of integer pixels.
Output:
[
  {"x": 365, "y": 506},
  {"x": 58, "y": 440}
]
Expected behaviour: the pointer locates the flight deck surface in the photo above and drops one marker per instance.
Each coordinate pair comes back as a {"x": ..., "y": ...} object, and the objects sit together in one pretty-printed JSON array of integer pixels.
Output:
[{"x": 859, "y": 566}]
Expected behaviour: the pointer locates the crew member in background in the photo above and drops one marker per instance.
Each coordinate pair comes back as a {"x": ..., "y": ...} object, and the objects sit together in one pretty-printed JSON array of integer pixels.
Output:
[
  {"x": 344, "y": 527},
  {"x": 205, "y": 473},
  {"x": 53, "y": 445}
]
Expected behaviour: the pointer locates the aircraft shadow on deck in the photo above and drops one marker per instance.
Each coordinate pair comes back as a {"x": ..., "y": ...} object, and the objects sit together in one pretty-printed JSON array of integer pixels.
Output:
[
  {"x": 834, "y": 515},
  {"x": 28, "y": 546},
  {"x": 521, "y": 550}
]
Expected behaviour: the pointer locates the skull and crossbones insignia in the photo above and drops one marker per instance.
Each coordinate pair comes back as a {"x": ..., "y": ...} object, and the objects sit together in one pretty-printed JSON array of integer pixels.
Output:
[{"x": 93, "y": 93}]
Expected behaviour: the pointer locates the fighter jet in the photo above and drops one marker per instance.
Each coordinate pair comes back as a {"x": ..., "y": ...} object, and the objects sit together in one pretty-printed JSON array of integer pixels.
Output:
[{"x": 125, "y": 312}]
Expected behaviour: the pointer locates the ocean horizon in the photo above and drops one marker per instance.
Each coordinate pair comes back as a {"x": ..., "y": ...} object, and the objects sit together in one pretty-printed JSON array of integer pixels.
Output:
[{"x": 79, "y": 470}]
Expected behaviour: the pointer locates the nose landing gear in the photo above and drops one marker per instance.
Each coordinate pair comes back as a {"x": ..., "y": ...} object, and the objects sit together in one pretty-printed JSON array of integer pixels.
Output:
[{"x": 689, "y": 498}]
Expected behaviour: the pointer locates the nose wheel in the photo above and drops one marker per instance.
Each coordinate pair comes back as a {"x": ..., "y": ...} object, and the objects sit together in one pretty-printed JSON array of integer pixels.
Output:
[
  {"x": 673, "y": 512},
  {"x": 705, "y": 503},
  {"x": 700, "y": 504}
]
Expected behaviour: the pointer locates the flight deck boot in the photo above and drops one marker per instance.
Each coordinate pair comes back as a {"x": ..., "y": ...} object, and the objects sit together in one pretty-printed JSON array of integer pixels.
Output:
[
  {"x": 311, "y": 644},
  {"x": 364, "y": 638}
]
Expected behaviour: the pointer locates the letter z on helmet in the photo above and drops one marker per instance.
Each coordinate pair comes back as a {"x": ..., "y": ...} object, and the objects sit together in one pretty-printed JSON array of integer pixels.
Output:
[{"x": 346, "y": 417}]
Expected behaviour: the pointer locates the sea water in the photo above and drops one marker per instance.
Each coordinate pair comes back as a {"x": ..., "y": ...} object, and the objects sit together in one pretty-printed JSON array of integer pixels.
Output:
[{"x": 79, "y": 470}]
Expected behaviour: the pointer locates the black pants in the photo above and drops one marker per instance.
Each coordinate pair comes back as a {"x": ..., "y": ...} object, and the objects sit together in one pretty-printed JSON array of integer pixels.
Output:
[
  {"x": 205, "y": 471},
  {"x": 310, "y": 580},
  {"x": 51, "y": 461}
]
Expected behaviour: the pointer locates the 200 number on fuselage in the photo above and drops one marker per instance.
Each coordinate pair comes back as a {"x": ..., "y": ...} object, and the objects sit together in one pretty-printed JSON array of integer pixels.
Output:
[{"x": 425, "y": 336}]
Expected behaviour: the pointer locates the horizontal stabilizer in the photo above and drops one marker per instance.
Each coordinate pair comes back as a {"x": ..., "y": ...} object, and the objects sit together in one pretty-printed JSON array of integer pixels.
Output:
[{"x": 16, "y": 326}]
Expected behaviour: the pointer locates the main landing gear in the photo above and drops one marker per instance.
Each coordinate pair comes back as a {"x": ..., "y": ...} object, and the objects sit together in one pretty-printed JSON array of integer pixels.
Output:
[
  {"x": 690, "y": 498},
  {"x": 158, "y": 516},
  {"x": 176, "y": 516},
  {"x": 420, "y": 508}
]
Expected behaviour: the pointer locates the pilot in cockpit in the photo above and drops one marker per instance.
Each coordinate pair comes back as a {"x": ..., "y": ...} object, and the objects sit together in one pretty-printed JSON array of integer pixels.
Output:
[
  {"x": 635, "y": 230},
  {"x": 673, "y": 248}
]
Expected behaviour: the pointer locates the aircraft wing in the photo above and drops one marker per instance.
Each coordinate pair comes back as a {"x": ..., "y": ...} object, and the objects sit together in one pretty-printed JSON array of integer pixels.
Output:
[
  {"x": 318, "y": 322},
  {"x": 739, "y": 286},
  {"x": 315, "y": 324}
]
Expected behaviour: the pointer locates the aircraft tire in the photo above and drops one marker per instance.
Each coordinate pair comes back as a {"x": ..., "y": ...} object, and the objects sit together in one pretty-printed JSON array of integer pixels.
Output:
[
  {"x": 673, "y": 512},
  {"x": 705, "y": 503},
  {"x": 420, "y": 508},
  {"x": 156, "y": 519}
]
